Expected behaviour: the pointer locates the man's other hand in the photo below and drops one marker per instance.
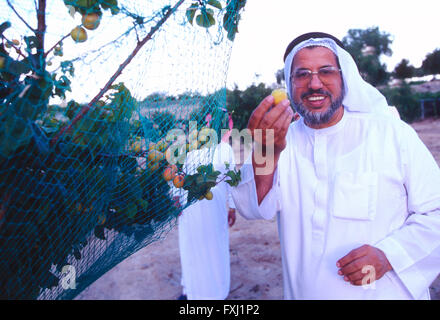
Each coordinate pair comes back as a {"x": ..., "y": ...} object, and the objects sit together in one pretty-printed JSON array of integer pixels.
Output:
[{"x": 353, "y": 266}]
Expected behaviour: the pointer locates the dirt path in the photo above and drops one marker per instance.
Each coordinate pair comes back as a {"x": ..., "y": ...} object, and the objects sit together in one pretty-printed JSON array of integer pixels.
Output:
[{"x": 154, "y": 272}]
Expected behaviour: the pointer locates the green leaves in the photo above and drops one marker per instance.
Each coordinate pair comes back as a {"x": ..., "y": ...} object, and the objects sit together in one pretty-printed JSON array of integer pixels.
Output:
[
  {"x": 4, "y": 26},
  {"x": 201, "y": 182},
  {"x": 232, "y": 17},
  {"x": 215, "y": 4},
  {"x": 87, "y": 6},
  {"x": 205, "y": 18},
  {"x": 235, "y": 178},
  {"x": 191, "y": 12}
]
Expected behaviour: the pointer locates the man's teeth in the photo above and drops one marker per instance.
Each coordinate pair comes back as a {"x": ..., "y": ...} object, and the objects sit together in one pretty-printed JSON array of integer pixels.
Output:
[{"x": 316, "y": 98}]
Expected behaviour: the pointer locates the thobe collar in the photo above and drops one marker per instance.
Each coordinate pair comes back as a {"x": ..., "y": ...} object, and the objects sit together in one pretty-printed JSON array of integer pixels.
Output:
[{"x": 326, "y": 131}]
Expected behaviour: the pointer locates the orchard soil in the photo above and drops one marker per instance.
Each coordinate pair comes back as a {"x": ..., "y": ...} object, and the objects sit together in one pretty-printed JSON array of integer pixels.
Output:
[{"x": 153, "y": 272}]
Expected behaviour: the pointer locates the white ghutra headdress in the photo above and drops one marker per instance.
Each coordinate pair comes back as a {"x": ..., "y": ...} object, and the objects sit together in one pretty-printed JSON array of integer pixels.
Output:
[{"x": 360, "y": 96}]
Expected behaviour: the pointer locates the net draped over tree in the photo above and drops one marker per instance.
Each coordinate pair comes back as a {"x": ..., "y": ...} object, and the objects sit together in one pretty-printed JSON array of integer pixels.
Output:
[{"x": 90, "y": 91}]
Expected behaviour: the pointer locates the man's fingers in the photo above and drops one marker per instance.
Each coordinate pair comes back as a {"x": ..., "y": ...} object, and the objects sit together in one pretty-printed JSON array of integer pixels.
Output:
[
  {"x": 354, "y": 266},
  {"x": 272, "y": 116},
  {"x": 287, "y": 121},
  {"x": 352, "y": 255},
  {"x": 258, "y": 114}
]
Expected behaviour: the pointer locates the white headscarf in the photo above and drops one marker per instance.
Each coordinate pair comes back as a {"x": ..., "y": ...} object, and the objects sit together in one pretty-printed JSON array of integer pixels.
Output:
[{"x": 360, "y": 96}]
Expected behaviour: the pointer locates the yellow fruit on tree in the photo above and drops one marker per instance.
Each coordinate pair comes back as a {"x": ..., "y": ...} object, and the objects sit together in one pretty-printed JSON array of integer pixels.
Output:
[
  {"x": 78, "y": 34},
  {"x": 101, "y": 219},
  {"x": 178, "y": 181},
  {"x": 209, "y": 195},
  {"x": 161, "y": 145},
  {"x": 136, "y": 147},
  {"x": 155, "y": 156},
  {"x": 153, "y": 166},
  {"x": 91, "y": 20},
  {"x": 168, "y": 174},
  {"x": 279, "y": 95},
  {"x": 16, "y": 42},
  {"x": 151, "y": 146}
]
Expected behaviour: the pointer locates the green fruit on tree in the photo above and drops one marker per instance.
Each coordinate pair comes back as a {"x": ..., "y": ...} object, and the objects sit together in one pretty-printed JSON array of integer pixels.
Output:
[
  {"x": 2, "y": 62},
  {"x": 91, "y": 20},
  {"x": 78, "y": 34}
]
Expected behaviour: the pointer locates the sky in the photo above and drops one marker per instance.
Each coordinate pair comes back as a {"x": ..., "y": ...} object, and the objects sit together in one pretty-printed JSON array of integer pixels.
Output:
[{"x": 267, "y": 27}]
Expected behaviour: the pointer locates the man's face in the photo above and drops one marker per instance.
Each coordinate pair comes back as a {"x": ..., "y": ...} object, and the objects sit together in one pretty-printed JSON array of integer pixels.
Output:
[{"x": 317, "y": 100}]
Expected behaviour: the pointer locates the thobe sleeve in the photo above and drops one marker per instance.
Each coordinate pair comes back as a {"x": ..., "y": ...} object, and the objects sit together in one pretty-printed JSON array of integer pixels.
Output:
[
  {"x": 413, "y": 250},
  {"x": 230, "y": 199},
  {"x": 231, "y": 203},
  {"x": 245, "y": 195}
]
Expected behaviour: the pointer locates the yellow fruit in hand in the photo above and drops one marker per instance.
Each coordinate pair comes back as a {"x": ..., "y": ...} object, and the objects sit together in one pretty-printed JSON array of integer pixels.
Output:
[
  {"x": 178, "y": 181},
  {"x": 279, "y": 95},
  {"x": 78, "y": 34},
  {"x": 209, "y": 195},
  {"x": 91, "y": 20}
]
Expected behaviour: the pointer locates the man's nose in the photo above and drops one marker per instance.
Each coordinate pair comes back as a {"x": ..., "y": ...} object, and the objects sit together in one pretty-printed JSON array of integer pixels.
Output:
[{"x": 315, "y": 82}]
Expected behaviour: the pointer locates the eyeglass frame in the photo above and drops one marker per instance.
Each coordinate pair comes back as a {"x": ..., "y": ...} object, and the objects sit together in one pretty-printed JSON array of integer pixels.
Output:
[{"x": 311, "y": 73}]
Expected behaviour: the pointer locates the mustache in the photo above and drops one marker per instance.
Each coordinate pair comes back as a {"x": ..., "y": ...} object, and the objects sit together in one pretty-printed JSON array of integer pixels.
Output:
[{"x": 319, "y": 91}]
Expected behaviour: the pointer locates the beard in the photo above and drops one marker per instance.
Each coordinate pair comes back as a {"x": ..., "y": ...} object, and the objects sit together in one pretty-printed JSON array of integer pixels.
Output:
[{"x": 318, "y": 118}]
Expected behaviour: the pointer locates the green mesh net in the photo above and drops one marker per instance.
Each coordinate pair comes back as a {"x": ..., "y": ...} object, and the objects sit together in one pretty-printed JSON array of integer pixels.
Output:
[{"x": 89, "y": 91}]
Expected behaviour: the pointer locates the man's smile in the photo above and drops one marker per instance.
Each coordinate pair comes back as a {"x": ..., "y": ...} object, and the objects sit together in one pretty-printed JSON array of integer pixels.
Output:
[{"x": 315, "y": 100}]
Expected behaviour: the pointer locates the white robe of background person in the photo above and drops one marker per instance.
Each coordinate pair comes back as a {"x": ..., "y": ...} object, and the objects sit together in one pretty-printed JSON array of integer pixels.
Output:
[
  {"x": 367, "y": 180},
  {"x": 204, "y": 235}
]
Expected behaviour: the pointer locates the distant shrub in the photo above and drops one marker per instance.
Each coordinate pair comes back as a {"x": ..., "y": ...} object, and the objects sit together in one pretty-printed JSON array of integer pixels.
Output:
[{"x": 405, "y": 100}]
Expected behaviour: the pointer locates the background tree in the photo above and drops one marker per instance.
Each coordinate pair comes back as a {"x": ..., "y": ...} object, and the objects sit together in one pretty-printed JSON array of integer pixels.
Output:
[
  {"x": 404, "y": 70},
  {"x": 242, "y": 103},
  {"x": 366, "y": 47},
  {"x": 431, "y": 64}
]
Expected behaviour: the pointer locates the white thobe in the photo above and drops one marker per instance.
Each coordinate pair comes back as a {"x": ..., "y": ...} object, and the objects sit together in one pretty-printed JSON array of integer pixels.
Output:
[
  {"x": 367, "y": 180},
  {"x": 203, "y": 233}
]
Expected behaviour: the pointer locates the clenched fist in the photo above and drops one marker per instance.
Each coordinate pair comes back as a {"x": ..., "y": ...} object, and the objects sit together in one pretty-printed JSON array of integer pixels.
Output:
[{"x": 353, "y": 264}]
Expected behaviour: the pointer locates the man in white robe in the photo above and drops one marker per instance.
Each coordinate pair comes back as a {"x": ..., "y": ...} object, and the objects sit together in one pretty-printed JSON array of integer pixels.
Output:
[
  {"x": 203, "y": 232},
  {"x": 355, "y": 191}
]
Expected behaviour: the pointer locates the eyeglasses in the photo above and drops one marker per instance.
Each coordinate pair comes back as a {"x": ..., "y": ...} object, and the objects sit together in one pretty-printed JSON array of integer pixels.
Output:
[{"x": 327, "y": 75}]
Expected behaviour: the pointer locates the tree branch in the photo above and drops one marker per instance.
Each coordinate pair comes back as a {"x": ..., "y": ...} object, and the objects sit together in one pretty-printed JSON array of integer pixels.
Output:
[
  {"x": 48, "y": 51},
  {"x": 18, "y": 15},
  {"x": 17, "y": 49},
  {"x": 118, "y": 72},
  {"x": 41, "y": 18}
]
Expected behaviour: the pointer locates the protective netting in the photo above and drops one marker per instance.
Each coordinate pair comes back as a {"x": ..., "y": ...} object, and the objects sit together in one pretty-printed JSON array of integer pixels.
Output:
[{"x": 83, "y": 127}]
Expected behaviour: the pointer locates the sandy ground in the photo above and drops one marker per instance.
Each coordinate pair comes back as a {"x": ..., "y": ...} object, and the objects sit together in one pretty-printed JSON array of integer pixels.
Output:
[{"x": 154, "y": 272}]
